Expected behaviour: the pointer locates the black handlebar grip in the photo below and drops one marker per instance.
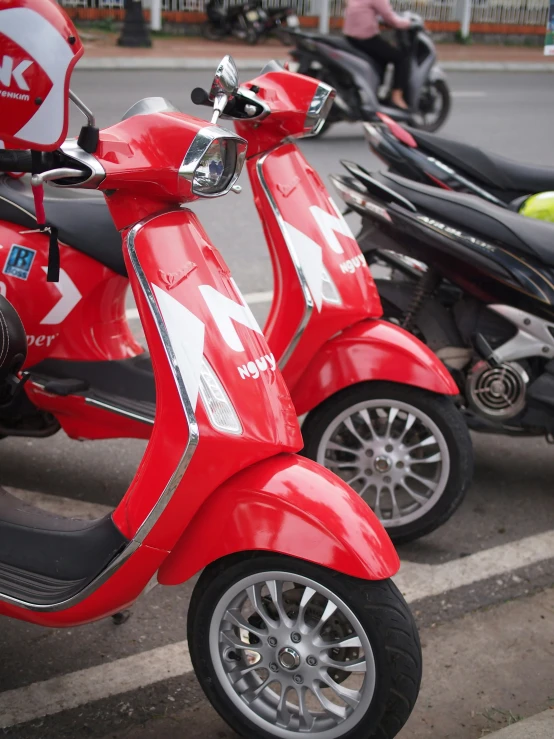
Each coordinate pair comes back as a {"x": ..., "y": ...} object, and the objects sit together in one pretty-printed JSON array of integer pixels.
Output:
[
  {"x": 15, "y": 161},
  {"x": 200, "y": 96}
]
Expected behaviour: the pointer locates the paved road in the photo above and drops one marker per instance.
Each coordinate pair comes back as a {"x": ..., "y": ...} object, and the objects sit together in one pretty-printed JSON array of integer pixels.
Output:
[{"x": 499, "y": 547}]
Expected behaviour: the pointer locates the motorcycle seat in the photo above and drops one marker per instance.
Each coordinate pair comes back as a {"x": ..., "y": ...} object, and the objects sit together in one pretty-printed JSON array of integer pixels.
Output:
[
  {"x": 337, "y": 42},
  {"x": 81, "y": 217},
  {"x": 487, "y": 221},
  {"x": 486, "y": 167}
]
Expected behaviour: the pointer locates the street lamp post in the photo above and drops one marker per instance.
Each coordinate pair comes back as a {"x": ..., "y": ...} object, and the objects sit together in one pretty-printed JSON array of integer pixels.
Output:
[{"x": 135, "y": 31}]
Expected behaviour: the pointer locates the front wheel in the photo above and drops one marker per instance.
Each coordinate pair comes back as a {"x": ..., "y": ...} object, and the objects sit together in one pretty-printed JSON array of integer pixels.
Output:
[
  {"x": 434, "y": 106},
  {"x": 284, "y": 649},
  {"x": 404, "y": 450}
]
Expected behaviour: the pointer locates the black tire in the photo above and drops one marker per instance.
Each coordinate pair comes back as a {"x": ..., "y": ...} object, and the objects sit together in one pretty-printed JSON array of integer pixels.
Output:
[
  {"x": 440, "y": 409},
  {"x": 379, "y": 607},
  {"x": 441, "y": 90}
]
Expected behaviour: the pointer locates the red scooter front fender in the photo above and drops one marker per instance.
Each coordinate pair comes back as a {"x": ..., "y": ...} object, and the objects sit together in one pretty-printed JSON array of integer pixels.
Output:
[
  {"x": 287, "y": 505},
  {"x": 370, "y": 350}
]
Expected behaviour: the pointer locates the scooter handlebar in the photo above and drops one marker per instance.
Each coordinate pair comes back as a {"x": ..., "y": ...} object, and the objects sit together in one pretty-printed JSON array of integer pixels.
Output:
[
  {"x": 15, "y": 161},
  {"x": 199, "y": 96}
]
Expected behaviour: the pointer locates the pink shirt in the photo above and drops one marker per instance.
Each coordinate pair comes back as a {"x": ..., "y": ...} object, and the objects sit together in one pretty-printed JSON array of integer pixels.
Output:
[{"x": 361, "y": 18}]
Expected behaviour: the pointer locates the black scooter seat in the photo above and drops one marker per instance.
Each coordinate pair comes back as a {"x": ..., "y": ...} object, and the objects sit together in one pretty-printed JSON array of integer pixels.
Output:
[
  {"x": 471, "y": 213},
  {"x": 337, "y": 42},
  {"x": 490, "y": 169},
  {"x": 81, "y": 217}
]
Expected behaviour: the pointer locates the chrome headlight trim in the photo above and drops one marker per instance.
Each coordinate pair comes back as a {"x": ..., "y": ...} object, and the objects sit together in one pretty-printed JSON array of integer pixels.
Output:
[
  {"x": 319, "y": 109},
  {"x": 200, "y": 145}
]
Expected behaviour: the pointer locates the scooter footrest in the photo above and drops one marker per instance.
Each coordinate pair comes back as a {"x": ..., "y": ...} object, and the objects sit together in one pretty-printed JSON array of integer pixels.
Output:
[{"x": 37, "y": 589}]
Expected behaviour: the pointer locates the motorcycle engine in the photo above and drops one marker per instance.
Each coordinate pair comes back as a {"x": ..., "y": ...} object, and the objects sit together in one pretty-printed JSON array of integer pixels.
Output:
[{"x": 496, "y": 393}]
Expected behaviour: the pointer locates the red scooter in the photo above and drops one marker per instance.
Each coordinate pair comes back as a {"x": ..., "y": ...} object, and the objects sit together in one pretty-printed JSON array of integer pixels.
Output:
[
  {"x": 293, "y": 627},
  {"x": 376, "y": 398}
]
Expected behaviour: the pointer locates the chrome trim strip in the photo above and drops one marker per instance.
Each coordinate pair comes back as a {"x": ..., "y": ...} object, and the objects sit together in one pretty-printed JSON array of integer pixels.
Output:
[
  {"x": 193, "y": 430},
  {"x": 177, "y": 475},
  {"x": 309, "y": 303},
  {"x": 119, "y": 411}
]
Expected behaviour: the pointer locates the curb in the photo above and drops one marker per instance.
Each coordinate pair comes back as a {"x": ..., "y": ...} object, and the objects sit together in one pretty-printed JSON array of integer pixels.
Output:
[
  {"x": 132, "y": 63},
  {"x": 540, "y": 726},
  {"x": 136, "y": 63}
]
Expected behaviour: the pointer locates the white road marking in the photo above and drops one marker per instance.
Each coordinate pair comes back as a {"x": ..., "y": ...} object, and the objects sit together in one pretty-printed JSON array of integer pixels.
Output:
[
  {"x": 416, "y": 581},
  {"x": 251, "y": 299},
  {"x": 93, "y": 683}
]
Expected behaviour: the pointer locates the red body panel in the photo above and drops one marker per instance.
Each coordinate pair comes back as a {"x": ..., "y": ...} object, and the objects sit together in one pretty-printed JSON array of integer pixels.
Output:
[
  {"x": 263, "y": 405},
  {"x": 310, "y": 220},
  {"x": 370, "y": 350},
  {"x": 81, "y": 317},
  {"x": 242, "y": 516},
  {"x": 288, "y": 95}
]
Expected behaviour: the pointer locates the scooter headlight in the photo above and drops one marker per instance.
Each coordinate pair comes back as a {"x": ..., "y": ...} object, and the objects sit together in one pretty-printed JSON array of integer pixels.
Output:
[
  {"x": 217, "y": 403},
  {"x": 319, "y": 109},
  {"x": 213, "y": 162}
]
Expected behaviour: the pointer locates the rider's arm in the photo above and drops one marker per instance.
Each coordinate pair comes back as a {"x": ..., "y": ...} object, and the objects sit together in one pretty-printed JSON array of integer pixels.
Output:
[{"x": 384, "y": 9}]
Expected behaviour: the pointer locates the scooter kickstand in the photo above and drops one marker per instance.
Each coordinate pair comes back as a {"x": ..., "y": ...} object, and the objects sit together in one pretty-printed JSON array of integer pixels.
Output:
[{"x": 121, "y": 617}]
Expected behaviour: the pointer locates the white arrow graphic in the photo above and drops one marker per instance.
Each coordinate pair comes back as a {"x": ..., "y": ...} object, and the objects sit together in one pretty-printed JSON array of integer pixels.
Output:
[
  {"x": 70, "y": 296},
  {"x": 186, "y": 334}
]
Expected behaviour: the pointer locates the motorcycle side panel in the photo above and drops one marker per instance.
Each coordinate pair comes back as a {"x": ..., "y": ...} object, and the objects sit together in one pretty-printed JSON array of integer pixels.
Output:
[
  {"x": 81, "y": 317},
  {"x": 291, "y": 506},
  {"x": 420, "y": 70},
  {"x": 306, "y": 235},
  {"x": 205, "y": 318},
  {"x": 365, "y": 75},
  {"x": 371, "y": 350}
]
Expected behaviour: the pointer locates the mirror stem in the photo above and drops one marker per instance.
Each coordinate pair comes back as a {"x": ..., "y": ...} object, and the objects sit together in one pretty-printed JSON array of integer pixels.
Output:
[{"x": 220, "y": 102}]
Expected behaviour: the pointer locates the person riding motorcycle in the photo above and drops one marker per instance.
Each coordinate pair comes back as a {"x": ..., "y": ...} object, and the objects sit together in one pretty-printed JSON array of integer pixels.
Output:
[{"x": 361, "y": 28}]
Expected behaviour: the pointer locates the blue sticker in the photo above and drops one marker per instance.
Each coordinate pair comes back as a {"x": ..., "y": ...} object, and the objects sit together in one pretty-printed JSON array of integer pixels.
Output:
[{"x": 19, "y": 262}]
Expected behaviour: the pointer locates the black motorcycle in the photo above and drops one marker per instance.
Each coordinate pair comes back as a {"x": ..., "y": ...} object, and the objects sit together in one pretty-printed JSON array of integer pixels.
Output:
[
  {"x": 476, "y": 283},
  {"x": 279, "y": 22},
  {"x": 453, "y": 165},
  {"x": 363, "y": 84},
  {"x": 242, "y": 21}
]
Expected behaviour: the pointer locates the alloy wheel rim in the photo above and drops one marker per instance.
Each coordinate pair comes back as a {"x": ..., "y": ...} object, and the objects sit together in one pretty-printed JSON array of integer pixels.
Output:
[
  {"x": 392, "y": 454},
  {"x": 292, "y": 656}
]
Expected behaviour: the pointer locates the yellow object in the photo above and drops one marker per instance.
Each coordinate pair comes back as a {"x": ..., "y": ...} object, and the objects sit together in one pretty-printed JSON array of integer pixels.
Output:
[{"x": 540, "y": 206}]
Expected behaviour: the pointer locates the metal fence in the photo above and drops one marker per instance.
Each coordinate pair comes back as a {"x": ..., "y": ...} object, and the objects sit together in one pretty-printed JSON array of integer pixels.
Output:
[{"x": 521, "y": 12}]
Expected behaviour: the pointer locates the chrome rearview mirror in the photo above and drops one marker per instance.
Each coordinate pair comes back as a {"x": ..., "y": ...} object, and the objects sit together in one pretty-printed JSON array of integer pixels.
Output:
[{"x": 224, "y": 86}]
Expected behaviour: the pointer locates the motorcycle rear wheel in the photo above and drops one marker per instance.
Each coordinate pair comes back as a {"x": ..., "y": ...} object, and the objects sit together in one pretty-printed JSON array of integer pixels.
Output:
[
  {"x": 405, "y": 450},
  {"x": 351, "y": 646}
]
